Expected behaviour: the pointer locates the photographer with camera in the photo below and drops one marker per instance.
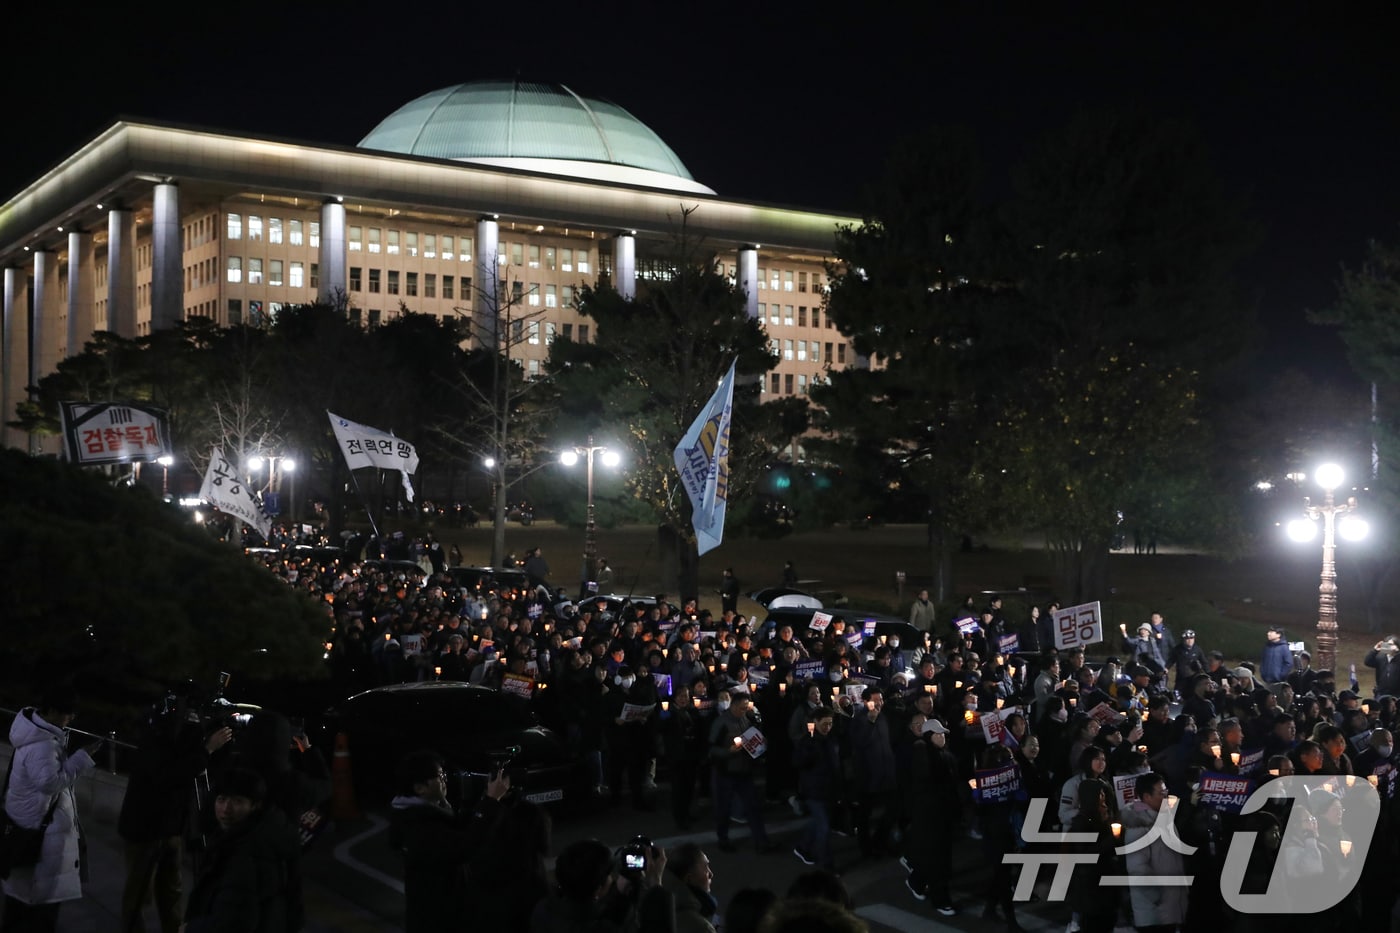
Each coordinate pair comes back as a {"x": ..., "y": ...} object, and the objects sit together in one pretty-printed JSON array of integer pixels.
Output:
[
  {"x": 436, "y": 842},
  {"x": 156, "y": 810},
  {"x": 595, "y": 892}
]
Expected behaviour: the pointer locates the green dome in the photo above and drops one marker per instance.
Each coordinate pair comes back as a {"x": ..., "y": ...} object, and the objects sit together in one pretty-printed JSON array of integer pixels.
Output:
[{"x": 539, "y": 127}]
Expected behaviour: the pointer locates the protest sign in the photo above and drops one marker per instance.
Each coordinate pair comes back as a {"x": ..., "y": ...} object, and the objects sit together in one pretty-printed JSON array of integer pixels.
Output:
[
  {"x": 997, "y": 785},
  {"x": 516, "y": 685},
  {"x": 820, "y": 620},
  {"x": 635, "y": 712},
  {"x": 753, "y": 742},
  {"x": 1076, "y": 626},
  {"x": 1224, "y": 792}
]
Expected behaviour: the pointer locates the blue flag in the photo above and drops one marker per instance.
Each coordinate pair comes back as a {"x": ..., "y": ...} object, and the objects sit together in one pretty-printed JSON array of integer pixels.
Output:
[{"x": 702, "y": 457}]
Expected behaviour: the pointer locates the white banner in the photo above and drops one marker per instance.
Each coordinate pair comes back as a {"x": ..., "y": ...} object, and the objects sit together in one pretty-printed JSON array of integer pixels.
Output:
[
  {"x": 225, "y": 490},
  {"x": 113, "y": 432},
  {"x": 702, "y": 457},
  {"x": 364, "y": 446},
  {"x": 1076, "y": 626}
]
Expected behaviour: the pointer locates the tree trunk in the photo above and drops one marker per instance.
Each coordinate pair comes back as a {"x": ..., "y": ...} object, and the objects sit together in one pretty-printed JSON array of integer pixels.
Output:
[
  {"x": 498, "y": 520},
  {"x": 679, "y": 561},
  {"x": 1083, "y": 570},
  {"x": 940, "y": 562}
]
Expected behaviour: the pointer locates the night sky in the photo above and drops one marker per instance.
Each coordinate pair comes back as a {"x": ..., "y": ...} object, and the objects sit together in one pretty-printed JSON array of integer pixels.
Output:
[{"x": 782, "y": 102}]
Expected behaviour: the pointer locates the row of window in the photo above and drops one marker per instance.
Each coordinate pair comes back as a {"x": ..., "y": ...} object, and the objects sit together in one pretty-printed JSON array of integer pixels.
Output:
[
  {"x": 274, "y": 230},
  {"x": 278, "y": 272},
  {"x": 807, "y": 350},
  {"x": 783, "y": 314},
  {"x": 786, "y": 384},
  {"x": 785, "y": 280}
]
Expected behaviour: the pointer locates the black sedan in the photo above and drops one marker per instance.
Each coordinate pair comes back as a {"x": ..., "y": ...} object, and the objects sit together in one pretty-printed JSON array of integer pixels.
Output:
[{"x": 471, "y": 727}]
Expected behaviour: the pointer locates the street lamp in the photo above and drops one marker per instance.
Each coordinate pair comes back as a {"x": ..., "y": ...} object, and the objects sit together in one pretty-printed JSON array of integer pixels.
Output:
[
  {"x": 1329, "y": 476},
  {"x": 278, "y": 465},
  {"x": 590, "y": 529}
]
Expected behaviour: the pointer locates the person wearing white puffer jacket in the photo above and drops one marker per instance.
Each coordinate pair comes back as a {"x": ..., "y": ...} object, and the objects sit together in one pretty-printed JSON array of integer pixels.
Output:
[{"x": 42, "y": 770}]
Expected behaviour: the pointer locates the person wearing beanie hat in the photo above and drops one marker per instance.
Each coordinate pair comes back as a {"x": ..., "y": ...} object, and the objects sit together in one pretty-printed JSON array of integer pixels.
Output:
[{"x": 251, "y": 879}]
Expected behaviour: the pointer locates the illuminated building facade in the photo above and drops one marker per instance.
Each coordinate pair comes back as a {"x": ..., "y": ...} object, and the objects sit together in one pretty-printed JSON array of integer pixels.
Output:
[{"x": 523, "y": 189}]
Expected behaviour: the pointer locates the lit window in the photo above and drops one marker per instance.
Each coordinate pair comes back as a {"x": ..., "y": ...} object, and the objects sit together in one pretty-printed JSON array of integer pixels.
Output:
[
  {"x": 274, "y": 272},
  {"x": 296, "y": 275},
  {"x": 568, "y": 296},
  {"x": 773, "y": 280},
  {"x": 535, "y": 333},
  {"x": 787, "y": 315},
  {"x": 255, "y": 271},
  {"x": 294, "y": 232},
  {"x": 393, "y": 281},
  {"x": 551, "y": 296},
  {"x": 762, "y": 281},
  {"x": 775, "y": 315},
  {"x": 787, "y": 349},
  {"x": 816, "y": 351},
  {"x": 500, "y": 254},
  {"x": 429, "y": 285},
  {"x": 774, "y": 347},
  {"x": 466, "y": 255},
  {"x": 549, "y": 260},
  {"x": 534, "y": 294},
  {"x": 802, "y": 350},
  {"x": 374, "y": 239},
  {"x": 357, "y": 235},
  {"x": 801, "y": 384},
  {"x": 255, "y": 227},
  {"x": 411, "y": 284},
  {"x": 374, "y": 281},
  {"x": 235, "y": 268},
  {"x": 534, "y": 257},
  {"x": 787, "y": 281},
  {"x": 393, "y": 242},
  {"x": 235, "y": 227},
  {"x": 429, "y": 246},
  {"x": 410, "y": 243},
  {"x": 532, "y": 369},
  {"x": 566, "y": 260},
  {"x": 356, "y": 276},
  {"x": 274, "y": 229},
  {"x": 762, "y": 311},
  {"x": 448, "y": 247},
  {"x": 549, "y": 332},
  {"x": 583, "y": 260},
  {"x": 316, "y": 234},
  {"x": 517, "y": 254}
]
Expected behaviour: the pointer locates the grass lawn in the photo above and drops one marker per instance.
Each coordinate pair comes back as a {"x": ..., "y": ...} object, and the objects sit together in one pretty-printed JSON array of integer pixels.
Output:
[{"x": 1229, "y": 603}]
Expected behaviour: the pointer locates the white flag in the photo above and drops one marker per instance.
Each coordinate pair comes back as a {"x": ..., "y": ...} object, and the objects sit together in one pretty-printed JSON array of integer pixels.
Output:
[
  {"x": 702, "y": 457},
  {"x": 224, "y": 489},
  {"x": 364, "y": 446}
]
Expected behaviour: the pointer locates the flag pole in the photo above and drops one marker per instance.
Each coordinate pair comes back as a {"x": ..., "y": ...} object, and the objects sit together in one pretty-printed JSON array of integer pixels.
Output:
[{"x": 368, "y": 513}]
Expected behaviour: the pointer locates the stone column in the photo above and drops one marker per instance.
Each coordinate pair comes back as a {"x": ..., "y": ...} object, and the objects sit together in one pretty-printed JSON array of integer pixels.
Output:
[
  {"x": 746, "y": 278},
  {"x": 334, "y": 288},
  {"x": 16, "y": 354},
  {"x": 43, "y": 327},
  {"x": 121, "y": 272},
  {"x": 487, "y": 303},
  {"x": 624, "y": 275},
  {"x": 81, "y": 293},
  {"x": 167, "y": 268}
]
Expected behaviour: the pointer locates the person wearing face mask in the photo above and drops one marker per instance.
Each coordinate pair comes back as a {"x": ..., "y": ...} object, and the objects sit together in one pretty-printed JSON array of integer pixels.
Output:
[
  {"x": 1376, "y": 758},
  {"x": 898, "y": 661},
  {"x": 733, "y": 773},
  {"x": 627, "y": 739}
]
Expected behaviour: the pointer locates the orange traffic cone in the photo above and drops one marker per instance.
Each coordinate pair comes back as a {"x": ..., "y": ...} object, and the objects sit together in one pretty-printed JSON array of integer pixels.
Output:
[{"x": 343, "y": 806}]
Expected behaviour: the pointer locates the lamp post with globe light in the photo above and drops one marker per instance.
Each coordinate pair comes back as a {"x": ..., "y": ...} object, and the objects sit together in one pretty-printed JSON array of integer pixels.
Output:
[
  {"x": 590, "y": 529},
  {"x": 278, "y": 466},
  {"x": 1329, "y": 476},
  {"x": 165, "y": 462}
]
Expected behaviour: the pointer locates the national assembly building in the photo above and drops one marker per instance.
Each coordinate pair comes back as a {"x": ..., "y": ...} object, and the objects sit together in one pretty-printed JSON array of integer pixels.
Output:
[{"x": 526, "y": 188}]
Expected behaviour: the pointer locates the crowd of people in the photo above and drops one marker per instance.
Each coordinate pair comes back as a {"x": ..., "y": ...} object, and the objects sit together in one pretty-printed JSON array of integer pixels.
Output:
[{"x": 951, "y": 735}]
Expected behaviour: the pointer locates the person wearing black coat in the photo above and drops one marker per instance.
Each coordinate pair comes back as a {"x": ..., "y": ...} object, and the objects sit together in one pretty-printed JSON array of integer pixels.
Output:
[
  {"x": 935, "y": 809},
  {"x": 157, "y": 809},
  {"x": 817, "y": 757},
  {"x": 1385, "y": 658},
  {"x": 1094, "y": 904},
  {"x": 251, "y": 876},
  {"x": 683, "y": 738},
  {"x": 437, "y": 843}
]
